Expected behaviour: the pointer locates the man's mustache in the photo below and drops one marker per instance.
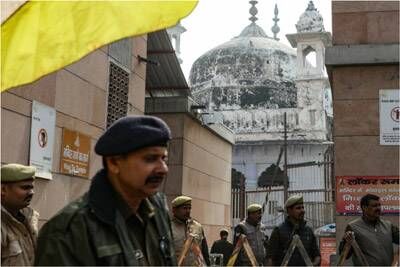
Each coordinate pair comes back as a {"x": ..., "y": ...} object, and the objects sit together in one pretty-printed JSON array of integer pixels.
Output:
[{"x": 154, "y": 179}]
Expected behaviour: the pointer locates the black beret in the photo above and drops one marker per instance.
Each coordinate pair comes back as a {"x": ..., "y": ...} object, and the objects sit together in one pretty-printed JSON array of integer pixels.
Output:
[{"x": 131, "y": 133}]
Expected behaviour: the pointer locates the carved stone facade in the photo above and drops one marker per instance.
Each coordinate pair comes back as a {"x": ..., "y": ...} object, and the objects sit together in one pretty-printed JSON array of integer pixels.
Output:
[{"x": 251, "y": 81}]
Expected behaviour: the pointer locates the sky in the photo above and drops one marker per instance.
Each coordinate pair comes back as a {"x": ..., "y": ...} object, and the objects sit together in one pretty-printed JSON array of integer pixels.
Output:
[{"x": 214, "y": 22}]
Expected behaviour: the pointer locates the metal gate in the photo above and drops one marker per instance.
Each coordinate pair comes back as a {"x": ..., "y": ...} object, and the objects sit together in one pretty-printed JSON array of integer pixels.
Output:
[{"x": 319, "y": 203}]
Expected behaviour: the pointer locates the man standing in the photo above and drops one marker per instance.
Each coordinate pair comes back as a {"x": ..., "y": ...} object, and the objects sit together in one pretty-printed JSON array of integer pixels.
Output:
[
  {"x": 223, "y": 246},
  {"x": 121, "y": 220},
  {"x": 282, "y": 236},
  {"x": 254, "y": 231},
  {"x": 18, "y": 221},
  {"x": 374, "y": 236},
  {"x": 183, "y": 226}
]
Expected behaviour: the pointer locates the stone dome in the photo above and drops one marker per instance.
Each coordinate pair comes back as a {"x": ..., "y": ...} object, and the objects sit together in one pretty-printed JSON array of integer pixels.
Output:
[
  {"x": 249, "y": 71},
  {"x": 311, "y": 20}
]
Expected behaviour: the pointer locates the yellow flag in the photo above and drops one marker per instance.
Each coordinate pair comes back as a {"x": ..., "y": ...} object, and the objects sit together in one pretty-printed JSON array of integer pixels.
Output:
[{"x": 44, "y": 36}]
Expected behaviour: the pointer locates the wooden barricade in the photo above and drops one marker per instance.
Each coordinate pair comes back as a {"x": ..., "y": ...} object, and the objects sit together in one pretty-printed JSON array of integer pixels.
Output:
[
  {"x": 395, "y": 262},
  {"x": 242, "y": 243},
  {"x": 191, "y": 245},
  {"x": 357, "y": 251},
  {"x": 296, "y": 242}
]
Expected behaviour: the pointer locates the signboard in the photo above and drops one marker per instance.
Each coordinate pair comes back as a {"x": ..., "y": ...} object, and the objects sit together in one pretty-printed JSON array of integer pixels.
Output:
[
  {"x": 327, "y": 247},
  {"x": 42, "y": 139},
  {"x": 389, "y": 117},
  {"x": 75, "y": 151},
  {"x": 350, "y": 189}
]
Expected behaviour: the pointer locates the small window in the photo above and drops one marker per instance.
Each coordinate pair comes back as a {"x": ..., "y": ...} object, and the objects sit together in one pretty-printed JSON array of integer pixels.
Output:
[
  {"x": 117, "y": 93},
  {"x": 310, "y": 57}
]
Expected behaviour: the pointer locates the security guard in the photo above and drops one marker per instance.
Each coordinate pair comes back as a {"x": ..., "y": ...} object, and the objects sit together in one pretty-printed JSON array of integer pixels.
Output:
[
  {"x": 182, "y": 226},
  {"x": 282, "y": 236},
  {"x": 18, "y": 221},
  {"x": 223, "y": 246},
  {"x": 255, "y": 234},
  {"x": 121, "y": 220}
]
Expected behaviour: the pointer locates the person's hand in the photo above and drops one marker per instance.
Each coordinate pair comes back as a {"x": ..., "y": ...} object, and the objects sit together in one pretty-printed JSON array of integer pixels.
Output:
[{"x": 348, "y": 236}]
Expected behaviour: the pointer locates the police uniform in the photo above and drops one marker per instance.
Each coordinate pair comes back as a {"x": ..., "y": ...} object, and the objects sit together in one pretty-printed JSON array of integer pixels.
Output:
[
  {"x": 18, "y": 234},
  {"x": 256, "y": 237},
  {"x": 223, "y": 247},
  {"x": 181, "y": 230},
  {"x": 282, "y": 235},
  {"x": 99, "y": 228}
]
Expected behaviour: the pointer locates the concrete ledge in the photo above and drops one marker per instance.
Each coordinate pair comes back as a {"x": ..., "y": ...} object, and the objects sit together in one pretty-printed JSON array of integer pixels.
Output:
[
  {"x": 362, "y": 54},
  {"x": 168, "y": 105},
  {"x": 223, "y": 132},
  {"x": 183, "y": 104}
]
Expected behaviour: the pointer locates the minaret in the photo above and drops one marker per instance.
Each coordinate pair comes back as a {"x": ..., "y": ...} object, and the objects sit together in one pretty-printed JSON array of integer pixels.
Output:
[
  {"x": 275, "y": 29},
  {"x": 311, "y": 79},
  {"x": 175, "y": 37},
  {"x": 311, "y": 38}
]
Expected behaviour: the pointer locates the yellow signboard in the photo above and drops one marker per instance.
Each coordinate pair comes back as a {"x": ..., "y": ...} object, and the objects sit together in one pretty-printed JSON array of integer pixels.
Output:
[{"x": 75, "y": 152}]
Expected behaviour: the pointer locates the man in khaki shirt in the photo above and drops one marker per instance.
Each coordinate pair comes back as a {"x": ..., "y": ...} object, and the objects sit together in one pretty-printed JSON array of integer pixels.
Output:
[
  {"x": 18, "y": 221},
  {"x": 183, "y": 225}
]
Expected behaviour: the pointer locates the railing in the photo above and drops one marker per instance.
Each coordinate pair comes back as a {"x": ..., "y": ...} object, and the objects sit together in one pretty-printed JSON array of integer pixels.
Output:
[{"x": 318, "y": 211}]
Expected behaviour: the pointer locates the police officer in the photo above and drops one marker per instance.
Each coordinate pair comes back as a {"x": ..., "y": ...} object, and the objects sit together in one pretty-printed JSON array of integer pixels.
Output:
[
  {"x": 121, "y": 220},
  {"x": 282, "y": 236},
  {"x": 182, "y": 226},
  {"x": 223, "y": 246},
  {"x": 18, "y": 221},
  {"x": 255, "y": 234}
]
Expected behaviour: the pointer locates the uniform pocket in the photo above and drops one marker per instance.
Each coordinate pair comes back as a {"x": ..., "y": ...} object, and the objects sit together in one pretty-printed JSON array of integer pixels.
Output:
[
  {"x": 13, "y": 249},
  {"x": 10, "y": 255},
  {"x": 108, "y": 250}
]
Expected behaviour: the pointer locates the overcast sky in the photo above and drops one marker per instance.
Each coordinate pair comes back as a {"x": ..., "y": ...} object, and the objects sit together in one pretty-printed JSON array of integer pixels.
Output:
[{"x": 214, "y": 22}]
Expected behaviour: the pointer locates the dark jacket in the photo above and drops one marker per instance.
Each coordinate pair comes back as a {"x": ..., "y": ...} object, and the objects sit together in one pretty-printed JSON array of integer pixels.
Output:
[
  {"x": 280, "y": 240},
  {"x": 223, "y": 247},
  {"x": 92, "y": 231}
]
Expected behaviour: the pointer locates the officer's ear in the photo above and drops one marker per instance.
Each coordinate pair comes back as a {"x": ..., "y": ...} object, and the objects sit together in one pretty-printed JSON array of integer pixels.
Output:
[
  {"x": 3, "y": 190},
  {"x": 112, "y": 163}
]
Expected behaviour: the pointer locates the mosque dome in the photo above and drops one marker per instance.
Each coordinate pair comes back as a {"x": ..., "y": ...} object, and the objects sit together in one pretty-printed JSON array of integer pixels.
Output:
[
  {"x": 311, "y": 20},
  {"x": 250, "y": 71}
]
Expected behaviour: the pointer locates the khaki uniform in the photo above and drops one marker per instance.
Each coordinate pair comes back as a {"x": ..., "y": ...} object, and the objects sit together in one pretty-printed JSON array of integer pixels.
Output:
[
  {"x": 180, "y": 231},
  {"x": 18, "y": 239}
]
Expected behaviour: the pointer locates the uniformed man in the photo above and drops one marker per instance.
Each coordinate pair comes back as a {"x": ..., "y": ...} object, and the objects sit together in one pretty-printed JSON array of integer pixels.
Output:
[
  {"x": 18, "y": 221},
  {"x": 183, "y": 226},
  {"x": 254, "y": 231},
  {"x": 223, "y": 246},
  {"x": 121, "y": 220},
  {"x": 282, "y": 236}
]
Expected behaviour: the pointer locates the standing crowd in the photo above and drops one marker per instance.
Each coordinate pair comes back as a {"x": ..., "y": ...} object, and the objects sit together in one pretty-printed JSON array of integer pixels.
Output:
[{"x": 124, "y": 220}]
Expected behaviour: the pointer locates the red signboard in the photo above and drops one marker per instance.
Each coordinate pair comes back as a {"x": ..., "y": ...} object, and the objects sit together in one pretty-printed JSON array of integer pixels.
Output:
[
  {"x": 350, "y": 189},
  {"x": 327, "y": 248}
]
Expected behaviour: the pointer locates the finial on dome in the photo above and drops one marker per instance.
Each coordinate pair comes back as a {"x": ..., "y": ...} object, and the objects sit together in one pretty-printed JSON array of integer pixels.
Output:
[
  {"x": 275, "y": 29},
  {"x": 311, "y": 20},
  {"x": 253, "y": 11},
  {"x": 311, "y": 6}
]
